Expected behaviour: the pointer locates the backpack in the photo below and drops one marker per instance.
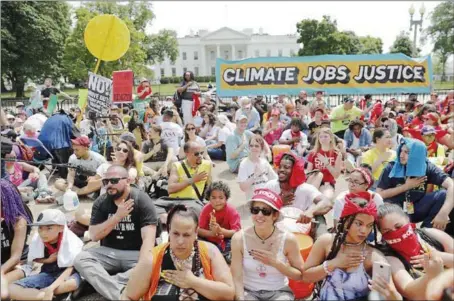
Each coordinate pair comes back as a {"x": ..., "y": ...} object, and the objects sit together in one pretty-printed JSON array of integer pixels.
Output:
[{"x": 26, "y": 152}]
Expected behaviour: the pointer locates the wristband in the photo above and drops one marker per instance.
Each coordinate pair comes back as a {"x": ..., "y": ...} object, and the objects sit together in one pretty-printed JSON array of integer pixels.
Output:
[
  {"x": 325, "y": 268},
  {"x": 191, "y": 181}
]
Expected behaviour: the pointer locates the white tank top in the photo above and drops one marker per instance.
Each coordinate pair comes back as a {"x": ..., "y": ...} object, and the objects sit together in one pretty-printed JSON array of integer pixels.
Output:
[{"x": 258, "y": 276}]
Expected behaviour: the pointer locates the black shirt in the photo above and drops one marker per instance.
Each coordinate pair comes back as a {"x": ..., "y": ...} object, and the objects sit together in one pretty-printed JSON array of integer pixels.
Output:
[
  {"x": 48, "y": 91},
  {"x": 7, "y": 240},
  {"x": 434, "y": 176},
  {"x": 51, "y": 267},
  {"x": 313, "y": 127},
  {"x": 127, "y": 233},
  {"x": 160, "y": 156}
]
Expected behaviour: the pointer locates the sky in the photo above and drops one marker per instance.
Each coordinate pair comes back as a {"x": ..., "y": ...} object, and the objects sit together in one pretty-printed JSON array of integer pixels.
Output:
[{"x": 384, "y": 19}]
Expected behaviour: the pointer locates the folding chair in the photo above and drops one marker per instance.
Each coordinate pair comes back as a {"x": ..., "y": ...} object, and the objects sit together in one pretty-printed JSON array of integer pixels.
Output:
[{"x": 41, "y": 149}]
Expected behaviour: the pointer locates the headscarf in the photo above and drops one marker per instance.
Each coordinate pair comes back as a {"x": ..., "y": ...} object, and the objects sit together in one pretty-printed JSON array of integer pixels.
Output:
[
  {"x": 351, "y": 207},
  {"x": 367, "y": 177},
  {"x": 416, "y": 165},
  {"x": 298, "y": 176}
]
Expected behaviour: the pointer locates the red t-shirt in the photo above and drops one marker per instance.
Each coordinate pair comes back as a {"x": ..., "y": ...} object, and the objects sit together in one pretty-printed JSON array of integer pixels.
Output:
[
  {"x": 416, "y": 132},
  {"x": 332, "y": 155},
  {"x": 228, "y": 218},
  {"x": 145, "y": 95}
]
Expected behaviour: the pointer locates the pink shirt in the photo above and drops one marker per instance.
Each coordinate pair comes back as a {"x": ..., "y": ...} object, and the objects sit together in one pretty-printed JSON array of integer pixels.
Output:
[
  {"x": 16, "y": 176},
  {"x": 228, "y": 218}
]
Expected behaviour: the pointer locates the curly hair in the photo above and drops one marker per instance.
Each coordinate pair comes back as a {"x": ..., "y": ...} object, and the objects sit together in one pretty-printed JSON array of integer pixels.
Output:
[
  {"x": 219, "y": 186},
  {"x": 355, "y": 122}
]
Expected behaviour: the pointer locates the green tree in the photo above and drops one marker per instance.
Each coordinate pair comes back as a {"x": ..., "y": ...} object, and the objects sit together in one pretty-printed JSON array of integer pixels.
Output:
[
  {"x": 402, "y": 44},
  {"x": 162, "y": 45},
  {"x": 371, "y": 45},
  {"x": 441, "y": 32},
  {"x": 33, "y": 38}
]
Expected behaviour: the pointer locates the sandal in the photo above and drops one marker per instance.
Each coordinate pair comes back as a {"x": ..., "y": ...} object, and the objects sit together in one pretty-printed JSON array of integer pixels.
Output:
[{"x": 45, "y": 197}]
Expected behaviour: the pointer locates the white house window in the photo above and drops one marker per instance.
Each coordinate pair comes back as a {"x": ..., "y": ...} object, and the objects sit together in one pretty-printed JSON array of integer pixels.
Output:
[
  {"x": 268, "y": 52},
  {"x": 240, "y": 54},
  {"x": 280, "y": 52},
  {"x": 196, "y": 55},
  {"x": 213, "y": 71},
  {"x": 226, "y": 54},
  {"x": 162, "y": 72},
  {"x": 292, "y": 52},
  {"x": 257, "y": 53},
  {"x": 185, "y": 69},
  {"x": 184, "y": 56},
  {"x": 212, "y": 57},
  {"x": 196, "y": 71},
  {"x": 174, "y": 71}
]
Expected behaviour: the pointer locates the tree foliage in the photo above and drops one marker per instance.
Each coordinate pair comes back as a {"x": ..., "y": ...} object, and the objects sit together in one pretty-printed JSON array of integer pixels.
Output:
[
  {"x": 441, "y": 32},
  {"x": 162, "y": 45},
  {"x": 33, "y": 38},
  {"x": 323, "y": 37},
  {"x": 402, "y": 44}
]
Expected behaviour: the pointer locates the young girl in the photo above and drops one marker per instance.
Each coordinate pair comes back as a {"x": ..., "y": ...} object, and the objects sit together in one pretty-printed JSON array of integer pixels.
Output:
[
  {"x": 273, "y": 128},
  {"x": 219, "y": 220},
  {"x": 326, "y": 158}
]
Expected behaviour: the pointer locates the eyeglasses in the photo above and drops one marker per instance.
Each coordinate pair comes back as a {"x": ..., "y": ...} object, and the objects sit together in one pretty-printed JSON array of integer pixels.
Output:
[
  {"x": 114, "y": 181},
  {"x": 198, "y": 154},
  {"x": 190, "y": 129},
  {"x": 254, "y": 145},
  {"x": 350, "y": 180},
  {"x": 120, "y": 149},
  {"x": 274, "y": 115},
  {"x": 265, "y": 211}
]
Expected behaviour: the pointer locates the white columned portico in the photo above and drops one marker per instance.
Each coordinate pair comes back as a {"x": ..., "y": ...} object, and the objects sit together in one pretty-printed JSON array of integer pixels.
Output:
[
  {"x": 218, "y": 51},
  {"x": 233, "y": 52},
  {"x": 203, "y": 60}
]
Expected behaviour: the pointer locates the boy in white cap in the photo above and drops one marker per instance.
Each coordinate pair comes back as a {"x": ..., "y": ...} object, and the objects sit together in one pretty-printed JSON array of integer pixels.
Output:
[{"x": 55, "y": 246}]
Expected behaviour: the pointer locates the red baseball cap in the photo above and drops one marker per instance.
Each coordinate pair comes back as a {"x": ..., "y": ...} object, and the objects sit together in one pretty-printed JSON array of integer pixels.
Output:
[
  {"x": 268, "y": 197},
  {"x": 82, "y": 141}
]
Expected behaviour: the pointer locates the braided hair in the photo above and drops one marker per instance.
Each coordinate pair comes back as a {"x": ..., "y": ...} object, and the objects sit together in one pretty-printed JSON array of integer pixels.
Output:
[
  {"x": 12, "y": 204},
  {"x": 184, "y": 211}
]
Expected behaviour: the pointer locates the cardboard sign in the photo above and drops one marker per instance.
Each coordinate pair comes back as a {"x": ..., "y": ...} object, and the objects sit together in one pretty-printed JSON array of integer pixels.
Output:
[
  {"x": 122, "y": 86},
  {"x": 334, "y": 74},
  {"x": 99, "y": 92}
]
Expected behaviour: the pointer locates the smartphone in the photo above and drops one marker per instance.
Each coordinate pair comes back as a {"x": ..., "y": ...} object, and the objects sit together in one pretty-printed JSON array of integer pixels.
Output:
[{"x": 381, "y": 269}]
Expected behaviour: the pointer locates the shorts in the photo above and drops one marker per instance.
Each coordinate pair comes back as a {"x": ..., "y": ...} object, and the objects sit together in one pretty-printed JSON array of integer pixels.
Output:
[
  {"x": 26, "y": 268},
  {"x": 43, "y": 280},
  {"x": 284, "y": 293}
]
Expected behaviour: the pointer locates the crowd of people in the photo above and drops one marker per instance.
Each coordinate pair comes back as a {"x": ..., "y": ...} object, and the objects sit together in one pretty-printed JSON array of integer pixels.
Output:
[{"x": 164, "y": 223}]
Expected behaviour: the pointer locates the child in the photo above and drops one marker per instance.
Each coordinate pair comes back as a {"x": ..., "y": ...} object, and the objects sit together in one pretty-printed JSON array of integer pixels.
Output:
[
  {"x": 55, "y": 246},
  {"x": 218, "y": 219}
]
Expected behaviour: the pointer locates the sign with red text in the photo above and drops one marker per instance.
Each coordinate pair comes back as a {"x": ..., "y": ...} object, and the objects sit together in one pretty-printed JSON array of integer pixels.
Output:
[{"x": 122, "y": 86}]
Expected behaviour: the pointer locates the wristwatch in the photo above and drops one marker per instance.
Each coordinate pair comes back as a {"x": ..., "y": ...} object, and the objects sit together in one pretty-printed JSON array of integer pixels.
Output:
[{"x": 191, "y": 181}]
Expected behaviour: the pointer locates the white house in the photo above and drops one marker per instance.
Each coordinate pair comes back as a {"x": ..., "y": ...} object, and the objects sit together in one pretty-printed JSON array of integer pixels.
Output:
[{"x": 198, "y": 52}]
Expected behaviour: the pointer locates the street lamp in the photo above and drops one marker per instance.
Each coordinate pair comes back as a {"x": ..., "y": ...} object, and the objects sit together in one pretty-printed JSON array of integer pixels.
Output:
[{"x": 415, "y": 23}]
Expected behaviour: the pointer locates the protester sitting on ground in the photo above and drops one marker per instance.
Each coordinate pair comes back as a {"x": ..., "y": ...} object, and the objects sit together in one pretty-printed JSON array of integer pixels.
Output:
[
  {"x": 183, "y": 269},
  {"x": 84, "y": 164},
  {"x": 294, "y": 192},
  {"x": 415, "y": 255},
  {"x": 273, "y": 128},
  {"x": 404, "y": 183},
  {"x": 200, "y": 115},
  {"x": 156, "y": 153},
  {"x": 447, "y": 117},
  {"x": 34, "y": 186},
  {"x": 137, "y": 128},
  {"x": 183, "y": 186},
  {"x": 327, "y": 160},
  {"x": 250, "y": 112},
  {"x": 30, "y": 130},
  {"x": 209, "y": 103},
  {"x": 209, "y": 129},
  {"x": 191, "y": 136},
  {"x": 255, "y": 170},
  {"x": 316, "y": 124},
  {"x": 153, "y": 112},
  {"x": 359, "y": 181},
  {"x": 264, "y": 257},
  {"x": 124, "y": 220},
  {"x": 123, "y": 156},
  {"x": 357, "y": 140},
  {"x": 56, "y": 247},
  {"x": 219, "y": 220},
  {"x": 216, "y": 151},
  {"x": 444, "y": 134},
  {"x": 342, "y": 115},
  {"x": 391, "y": 125},
  {"x": 237, "y": 145},
  {"x": 380, "y": 154},
  {"x": 171, "y": 133},
  {"x": 15, "y": 217},
  {"x": 343, "y": 260},
  {"x": 318, "y": 103},
  {"x": 295, "y": 137},
  {"x": 435, "y": 151},
  {"x": 418, "y": 119},
  {"x": 138, "y": 155},
  {"x": 56, "y": 135}
]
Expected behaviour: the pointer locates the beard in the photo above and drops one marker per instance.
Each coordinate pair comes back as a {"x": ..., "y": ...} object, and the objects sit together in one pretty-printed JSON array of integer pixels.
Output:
[{"x": 115, "y": 196}]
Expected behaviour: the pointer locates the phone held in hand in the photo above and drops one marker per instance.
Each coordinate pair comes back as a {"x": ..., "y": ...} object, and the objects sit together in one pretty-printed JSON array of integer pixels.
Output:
[{"x": 381, "y": 269}]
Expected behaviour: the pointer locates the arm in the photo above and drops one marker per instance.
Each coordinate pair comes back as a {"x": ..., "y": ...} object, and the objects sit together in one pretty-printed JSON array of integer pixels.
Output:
[
  {"x": 29, "y": 168},
  {"x": 235, "y": 154},
  {"x": 321, "y": 206},
  {"x": 70, "y": 178},
  {"x": 336, "y": 169},
  {"x": 236, "y": 266},
  {"x": 68, "y": 271},
  {"x": 17, "y": 247},
  {"x": 293, "y": 270},
  {"x": 98, "y": 232},
  {"x": 174, "y": 186},
  {"x": 267, "y": 129},
  {"x": 313, "y": 267},
  {"x": 148, "y": 234},
  {"x": 448, "y": 245},
  {"x": 448, "y": 205}
]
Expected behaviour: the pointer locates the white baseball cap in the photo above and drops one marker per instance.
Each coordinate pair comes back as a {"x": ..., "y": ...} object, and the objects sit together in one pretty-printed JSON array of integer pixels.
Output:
[{"x": 50, "y": 217}]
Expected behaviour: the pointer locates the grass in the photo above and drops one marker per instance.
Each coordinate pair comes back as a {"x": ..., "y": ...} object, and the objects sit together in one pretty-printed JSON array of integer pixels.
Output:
[{"x": 169, "y": 89}]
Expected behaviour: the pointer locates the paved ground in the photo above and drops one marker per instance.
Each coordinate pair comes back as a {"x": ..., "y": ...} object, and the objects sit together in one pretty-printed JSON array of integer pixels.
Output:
[{"x": 220, "y": 172}]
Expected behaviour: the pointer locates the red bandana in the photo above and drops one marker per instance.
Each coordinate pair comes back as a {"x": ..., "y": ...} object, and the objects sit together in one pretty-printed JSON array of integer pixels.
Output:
[
  {"x": 50, "y": 248},
  {"x": 366, "y": 176},
  {"x": 351, "y": 208},
  {"x": 404, "y": 241},
  {"x": 298, "y": 175}
]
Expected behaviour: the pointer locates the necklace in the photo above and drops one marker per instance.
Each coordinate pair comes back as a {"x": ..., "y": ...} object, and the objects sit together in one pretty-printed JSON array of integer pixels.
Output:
[
  {"x": 182, "y": 264},
  {"x": 348, "y": 244},
  {"x": 264, "y": 240}
]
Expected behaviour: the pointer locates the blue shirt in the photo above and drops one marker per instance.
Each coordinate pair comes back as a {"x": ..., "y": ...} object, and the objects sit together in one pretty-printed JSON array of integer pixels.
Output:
[
  {"x": 57, "y": 132},
  {"x": 232, "y": 144}
]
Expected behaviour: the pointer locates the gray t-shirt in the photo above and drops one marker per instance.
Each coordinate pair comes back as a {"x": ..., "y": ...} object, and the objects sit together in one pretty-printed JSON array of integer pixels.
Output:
[{"x": 90, "y": 165}]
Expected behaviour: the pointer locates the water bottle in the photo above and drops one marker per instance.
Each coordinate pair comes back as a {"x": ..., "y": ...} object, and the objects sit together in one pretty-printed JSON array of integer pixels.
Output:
[{"x": 70, "y": 200}]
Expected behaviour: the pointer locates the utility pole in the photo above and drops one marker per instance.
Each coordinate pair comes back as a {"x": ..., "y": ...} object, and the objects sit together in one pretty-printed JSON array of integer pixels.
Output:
[{"x": 415, "y": 24}]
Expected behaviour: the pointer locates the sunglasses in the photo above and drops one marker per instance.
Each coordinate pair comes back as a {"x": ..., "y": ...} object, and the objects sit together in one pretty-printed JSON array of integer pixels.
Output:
[
  {"x": 114, "y": 181},
  {"x": 257, "y": 210},
  {"x": 190, "y": 129},
  {"x": 198, "y": 154},
  {"x": 120, "y": 149}
]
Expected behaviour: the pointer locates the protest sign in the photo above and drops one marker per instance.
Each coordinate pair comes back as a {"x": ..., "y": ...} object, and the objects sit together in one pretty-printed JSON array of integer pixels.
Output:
[
  {"x": 333, "y": 74},
  {"x": 82, "y": 102},
  {"x": 99, "y": 90},
  {"x": 52, "y": 104},
  {"x": 122, "y": 86}
]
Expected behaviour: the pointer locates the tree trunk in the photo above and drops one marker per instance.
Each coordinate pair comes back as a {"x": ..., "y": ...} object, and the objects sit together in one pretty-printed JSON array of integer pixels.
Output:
[
  {"x": 444, "y": 58},
  {"x": 19, "y": 87}
]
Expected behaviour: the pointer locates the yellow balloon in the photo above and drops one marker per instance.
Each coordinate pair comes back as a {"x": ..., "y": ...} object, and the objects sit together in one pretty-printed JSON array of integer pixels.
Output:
[{"x": 107, "y": 37}]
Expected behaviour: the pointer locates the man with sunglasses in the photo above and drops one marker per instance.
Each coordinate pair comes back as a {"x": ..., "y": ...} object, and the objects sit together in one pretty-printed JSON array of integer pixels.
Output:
[
  {"x": 124, "y": 221},
  {"x": 88, "y": 162}
]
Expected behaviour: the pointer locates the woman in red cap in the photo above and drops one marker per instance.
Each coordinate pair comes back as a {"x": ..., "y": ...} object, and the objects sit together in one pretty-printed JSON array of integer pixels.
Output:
[
  {"x": 263, "y": 256},
  {"x": 343, "y": 260},
  {"x": 416, "y": 255}
]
